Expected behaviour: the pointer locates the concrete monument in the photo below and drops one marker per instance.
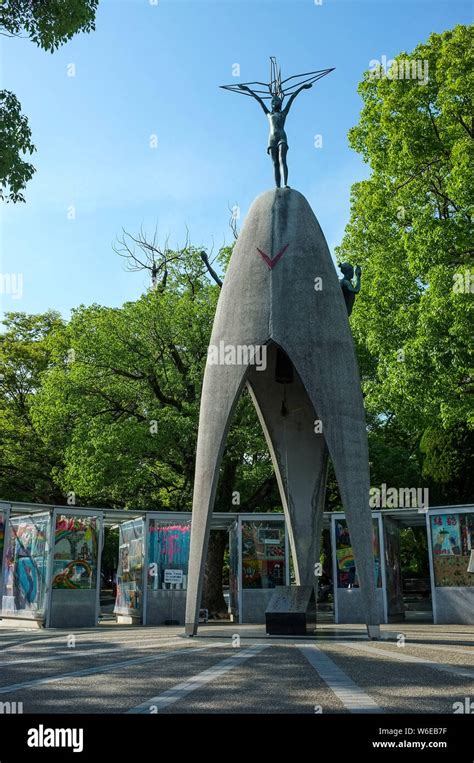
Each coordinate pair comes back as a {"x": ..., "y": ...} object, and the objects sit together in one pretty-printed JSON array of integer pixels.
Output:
[{"x": 281, "y": 294}]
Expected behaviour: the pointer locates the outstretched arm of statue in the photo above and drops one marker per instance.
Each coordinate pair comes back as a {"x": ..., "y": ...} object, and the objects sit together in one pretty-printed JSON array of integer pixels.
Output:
[
  {"x": 254, "y": 95},
  {"x": 292, "y": 97}
]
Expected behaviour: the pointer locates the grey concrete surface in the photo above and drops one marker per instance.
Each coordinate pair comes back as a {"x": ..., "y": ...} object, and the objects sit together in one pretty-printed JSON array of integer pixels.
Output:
[
  {"x": 114, "y": 669},
  {"x": 165, "y": 605},
  {"x": 281, "y": 303},
  {"x": 455, "y": 605},
  {"x": 73, "y": 609},
  {"x": 350, "y": 606},
  {"x": 254, "y": 604}
]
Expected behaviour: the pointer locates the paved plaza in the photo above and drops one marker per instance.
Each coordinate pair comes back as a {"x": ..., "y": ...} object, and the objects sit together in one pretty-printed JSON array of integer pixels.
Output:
[{"x": 417, "y": 668}]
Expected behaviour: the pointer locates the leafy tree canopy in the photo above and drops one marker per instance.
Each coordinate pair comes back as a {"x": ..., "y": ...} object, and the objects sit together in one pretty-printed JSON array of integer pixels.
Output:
[
  {"x": 15, "y": 139},
  {"x": 121, "y": 400},
  {"x": 26, "y": 463},
  {"x": 411, "y": 230},
  {"x": 49, "y": 24}
]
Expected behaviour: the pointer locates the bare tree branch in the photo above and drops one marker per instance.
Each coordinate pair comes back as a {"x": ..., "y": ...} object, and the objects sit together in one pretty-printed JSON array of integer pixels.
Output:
[
  {"x": 416, "y": 174},
  {"x": 210, "y": 269},
  {"x": 469, "y": 131},
  {"x": 143, "y": 254},
  {"x": 233, "y": 221}
]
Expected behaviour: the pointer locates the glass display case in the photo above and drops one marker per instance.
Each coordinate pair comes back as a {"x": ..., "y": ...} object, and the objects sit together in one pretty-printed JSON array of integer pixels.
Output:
[
  {"x": 25, "y": 573},
  {"x": 4, "y": 512},
  {"x": 263, "y": 554},
  {"x": 348, "y": 602},
  {"x": 167, "y": 569},
  {"x": 346, "y": 567},
  {"x": 75, "y": 572},
  {"x": 168, "y": 554},
  {"x": 75, "y": 552},
  {"x": 393, "y": 570},
  {"x": 234, "y": 571},
  {"x": 452, "y": 540},
  {"x": 129, "y": 601},
  {"x": 259, "y": 563}
]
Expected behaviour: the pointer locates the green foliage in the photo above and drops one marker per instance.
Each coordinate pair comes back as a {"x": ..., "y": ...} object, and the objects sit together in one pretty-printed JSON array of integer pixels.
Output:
[
  {"x": 110, "y": 551},
  {"x": 414, "y": 559},
  {"x": 123, "y": 390},
  {"x": 449, "y": 459},
  {"x": 49, "y": 24},
  {"x": 26, "y": 464},
  {"x": 121, "y": 401},
  {"x": 15, "y": 140},
  {"x": 411, "y": 230}
]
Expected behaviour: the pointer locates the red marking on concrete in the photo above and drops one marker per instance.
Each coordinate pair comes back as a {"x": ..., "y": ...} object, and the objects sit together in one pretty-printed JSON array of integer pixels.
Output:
[{"x": 271, "y": 262}]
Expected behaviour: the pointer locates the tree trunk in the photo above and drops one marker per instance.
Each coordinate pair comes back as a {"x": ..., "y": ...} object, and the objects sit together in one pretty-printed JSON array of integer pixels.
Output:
[{"x": 213, "y": 597}]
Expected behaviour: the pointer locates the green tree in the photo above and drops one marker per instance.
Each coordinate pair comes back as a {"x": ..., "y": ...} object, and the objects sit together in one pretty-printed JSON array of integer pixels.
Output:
[
  {"x": 411, "y": 230},
  {"x": 15, "y": 140},
  {"x": 449, "y": 459},
  {"x": 414, "y": 559},
  {"x": 49, "y": 24},
  {"x": 26, "y": 463},
  {"x": 120, "y": 399}
]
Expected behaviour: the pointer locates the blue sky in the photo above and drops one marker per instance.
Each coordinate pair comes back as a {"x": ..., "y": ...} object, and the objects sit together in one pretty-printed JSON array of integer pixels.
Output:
[{"x": 154, "y": 69}]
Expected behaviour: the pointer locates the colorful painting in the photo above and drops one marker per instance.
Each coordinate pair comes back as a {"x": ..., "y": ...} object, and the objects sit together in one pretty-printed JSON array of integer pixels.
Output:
[
  {"x": 346, "y": 566},
  {"x": 345, "y": 558},
  {"x": 75, "y": 552},
  {"x": 251, "y": 573},
  {"x": 136, "y": 554},
  {"x": 446, "y": 534},
  {"x": 129, "y": 598},
  {"x": 24, "y": 587},
  {"x": 452, "y": 539},
  {"x": 124, "y": 557},
  {"x": 263, "y": 554},
  {"x": 171, "y": 544},
  {"x": 168, "y": 548}
]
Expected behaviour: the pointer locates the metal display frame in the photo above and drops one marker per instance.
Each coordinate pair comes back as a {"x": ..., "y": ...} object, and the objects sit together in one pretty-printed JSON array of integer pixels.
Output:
[
  {"x": 142, "y": 616},
  {"x": 338, "y": 515},
  {"x": 5, "y": 509},
  {"x": 168, "y": 517},
  {"x": 223, "y": 521},
  {"x": 75, "y": 511},
  {"x": 258, "y": 517},
  {"x": 41, "y": 618},
  {"x": 436, "y": 510}
]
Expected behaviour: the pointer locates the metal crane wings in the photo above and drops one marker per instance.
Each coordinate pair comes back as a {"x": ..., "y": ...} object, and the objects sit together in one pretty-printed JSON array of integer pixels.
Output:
[{"x": 277, "y": 86}]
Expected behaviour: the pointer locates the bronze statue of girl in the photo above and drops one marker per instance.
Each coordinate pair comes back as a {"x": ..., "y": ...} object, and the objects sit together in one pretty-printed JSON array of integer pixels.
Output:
[
  {"x": 276, "y": 93},
  {"x": 277, "y": 140}
]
